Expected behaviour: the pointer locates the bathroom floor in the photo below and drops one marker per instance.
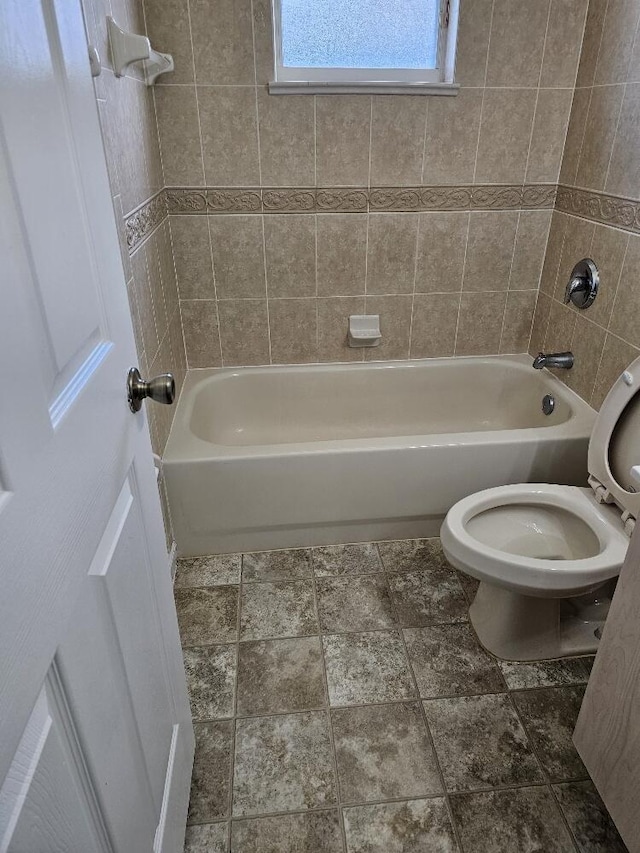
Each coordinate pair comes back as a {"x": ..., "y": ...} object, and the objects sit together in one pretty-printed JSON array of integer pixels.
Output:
[{"x": 342, "y": 703}]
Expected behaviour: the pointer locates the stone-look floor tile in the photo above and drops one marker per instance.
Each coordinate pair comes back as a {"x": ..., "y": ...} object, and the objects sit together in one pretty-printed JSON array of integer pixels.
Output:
[
  {"x": 428, "y": 597},
  {"x": 447, "y": 660},
  {"x": 416, "y": 826},
  {"x": 469, "y": 586},
  {"x": 526, "y": 820},
  {"x": 546, "y": 673},
  {"x": 354, "y": 604},
  {"x": 588, "y": 818},
  {"x": 207, "y": 838},
  {"x": 337, "y": 560},
  {"x": 271, "y": 610},
  {"x": 211, "y": 676},
  {"x": 480, "y": 743},
  {"x": 207, "y": 615},
  {"x": 208, "y": 571},
  {"x": 316, "y": 832},
  {"x": 384, "y": 753},
  {"x": 211, "y": 771},
  {"x": 280, "y": 675},
  {"x": 276, "y": 566},
  {"x": 550, "y": 716},
  {"x": 406, "y": 554},
  {"x": 283, "y": 764},
  {"x": 367, "y": 667}
]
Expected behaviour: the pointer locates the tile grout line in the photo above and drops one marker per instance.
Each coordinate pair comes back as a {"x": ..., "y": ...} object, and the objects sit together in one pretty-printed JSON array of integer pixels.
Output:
[
  {"x": 332, "y": 743},
  {"x": 423, "y": 714}
]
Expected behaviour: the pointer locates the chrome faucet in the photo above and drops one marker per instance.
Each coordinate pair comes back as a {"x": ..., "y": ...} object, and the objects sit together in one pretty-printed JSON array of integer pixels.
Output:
[{"x": 553, "y": 359}]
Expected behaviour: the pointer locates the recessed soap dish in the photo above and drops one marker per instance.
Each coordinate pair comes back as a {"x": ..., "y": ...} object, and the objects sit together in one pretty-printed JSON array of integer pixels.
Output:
[{"x": 364, "y": 330}]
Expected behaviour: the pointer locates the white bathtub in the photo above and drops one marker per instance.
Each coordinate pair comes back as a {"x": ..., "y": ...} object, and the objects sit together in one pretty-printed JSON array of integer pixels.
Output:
[{"x": 281, "y": 457}]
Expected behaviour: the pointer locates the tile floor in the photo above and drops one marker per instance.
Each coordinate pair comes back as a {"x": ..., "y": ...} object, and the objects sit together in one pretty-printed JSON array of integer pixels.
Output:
[{"x": 342, "y": 703}]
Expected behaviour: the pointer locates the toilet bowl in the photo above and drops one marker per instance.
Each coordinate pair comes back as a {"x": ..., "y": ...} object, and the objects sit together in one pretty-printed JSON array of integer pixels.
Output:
[{"x": 543, "y": 552}]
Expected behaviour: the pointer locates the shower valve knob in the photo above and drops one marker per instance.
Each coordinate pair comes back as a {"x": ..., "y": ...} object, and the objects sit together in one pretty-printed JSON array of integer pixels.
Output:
[{"x": 161, "y": 389}]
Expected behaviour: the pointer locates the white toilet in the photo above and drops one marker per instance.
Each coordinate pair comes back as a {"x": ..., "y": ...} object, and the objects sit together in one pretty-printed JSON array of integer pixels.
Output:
[{"x": 540, "y": 551}]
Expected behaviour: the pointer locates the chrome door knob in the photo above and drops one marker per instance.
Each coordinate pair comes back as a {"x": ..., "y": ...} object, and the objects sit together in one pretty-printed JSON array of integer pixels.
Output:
[{"x": 161, "y": 389}]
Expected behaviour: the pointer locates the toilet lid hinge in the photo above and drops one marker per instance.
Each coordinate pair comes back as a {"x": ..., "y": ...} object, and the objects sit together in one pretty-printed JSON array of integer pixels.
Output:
[
  {"x": 602, "y": 494},
  {"x": 628, "y": 523}
]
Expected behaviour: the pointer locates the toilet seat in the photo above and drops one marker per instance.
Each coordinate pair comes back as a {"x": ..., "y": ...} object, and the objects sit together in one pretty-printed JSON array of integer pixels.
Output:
[{"x": 543, "y": 504}]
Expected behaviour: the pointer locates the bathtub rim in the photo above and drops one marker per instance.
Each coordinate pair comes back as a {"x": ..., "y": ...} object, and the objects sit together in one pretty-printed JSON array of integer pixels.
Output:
[{"x": 184, "y": 446}]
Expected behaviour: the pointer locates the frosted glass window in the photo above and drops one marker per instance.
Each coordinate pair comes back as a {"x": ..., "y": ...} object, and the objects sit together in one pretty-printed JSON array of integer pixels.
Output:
[{"x": 359, "y": 33}]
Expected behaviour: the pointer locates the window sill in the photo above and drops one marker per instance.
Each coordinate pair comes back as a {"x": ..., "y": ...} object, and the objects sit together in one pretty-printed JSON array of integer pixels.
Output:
[{"x": 300, "y": 88}]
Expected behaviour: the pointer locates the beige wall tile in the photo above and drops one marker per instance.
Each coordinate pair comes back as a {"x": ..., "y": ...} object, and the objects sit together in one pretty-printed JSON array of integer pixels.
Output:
[
  {"x": 151, "y": 143},
  {"x": 435, "y": 319},
  {"x": 125, "y": 110},
  {"x": 617, "y": 355},
  {"x": 452, "y": 138},
  {"x": 263, "y": 37},
  {"x": 178, "y": 354},
  {"x": 608, "y": 249},
  {"x": 167, "y": 269},
  {"x": 586, "y": 346},
  {"x": 480, "y": 323},
  {"x": 137, "y": 326},
  {"x": 169, "y": 31},
  {"x": 229, "y": 135},
  {"x": 562, "y": 322},
  {"x": 553, "y": 252},
  {"x": 624, "y": 170},
  {"x": 395, "y": 325},
  {"x": 290, "y": 251},
  {"x": 505, "y": 133},
  {"x": 591, "y": 42},
  {"x": 616, "y": 46},
  {"x": 392, "y": 252},
  {"x": 192, "y": 255},
  {"x": 342, "y": 140},
  {"x": 549, "y": 134},
  {"x": 575, "y": 135},
  {"x": 397, "y": 140},
  {"x": 529, "y": 252},
  {"x": 490, "y": 250},
  {"x": 293, "y": 325},
  {"x": 287, "y": 146},
  {"x": 625, "y": 319},
  {"x": 155, "y": 285},
  {"x": 473, "y": 42},
  {"x": 342, "y": 254},
  {"x": 179, "y": 135},
  {"x": 577, "y": 245},
  {"x": 563, "y": 42},
  {"x": 442, "y": 244},
  {"x": 517, "y": 42},
  {"x": 238, "y": 256},
  {"x": 144, "y": 302},
  {"x": 244, "y": 331},
  {"x": 201, "y": 335},
  {"x": 540, "y": 322},
  {"x": 518, "y": 319},
  {"x": 597, "y": 146},
  {"x": 333, "y": 325},
  {"x": 223, "y": 41}
]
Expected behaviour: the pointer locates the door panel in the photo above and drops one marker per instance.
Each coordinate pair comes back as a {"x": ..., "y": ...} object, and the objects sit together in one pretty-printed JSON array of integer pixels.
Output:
[{"x": 87, "y": 622}]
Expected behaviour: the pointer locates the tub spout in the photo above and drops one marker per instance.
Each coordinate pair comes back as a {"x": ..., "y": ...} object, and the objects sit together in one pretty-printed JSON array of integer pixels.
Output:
[{"x": 553, "y": 359}]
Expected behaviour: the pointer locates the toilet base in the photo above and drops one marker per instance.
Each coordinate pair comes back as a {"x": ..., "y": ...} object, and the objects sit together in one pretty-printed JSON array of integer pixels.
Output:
[{"x": 522, "y": 627}]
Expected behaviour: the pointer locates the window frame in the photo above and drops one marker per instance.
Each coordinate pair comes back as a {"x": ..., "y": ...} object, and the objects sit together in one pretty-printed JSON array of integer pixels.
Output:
[{"x": 438, "y": 80}]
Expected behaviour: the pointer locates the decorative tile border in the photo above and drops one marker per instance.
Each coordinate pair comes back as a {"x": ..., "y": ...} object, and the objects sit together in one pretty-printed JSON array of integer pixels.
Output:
[
  {"x": 208, "y": 200},
  {"x": 143, "y": 221},
  {"x": 606, "y": 209}
]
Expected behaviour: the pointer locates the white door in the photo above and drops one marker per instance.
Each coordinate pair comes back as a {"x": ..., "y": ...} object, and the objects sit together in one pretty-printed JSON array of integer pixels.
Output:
[{"x": 96, "y": 741}]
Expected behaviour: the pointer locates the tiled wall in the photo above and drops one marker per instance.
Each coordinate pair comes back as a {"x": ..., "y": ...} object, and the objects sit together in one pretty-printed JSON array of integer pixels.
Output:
[
  {"x": 600, "y": 169},
  {"x": 268, "y": 286},
  {"x": 130, "y": 133}
]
